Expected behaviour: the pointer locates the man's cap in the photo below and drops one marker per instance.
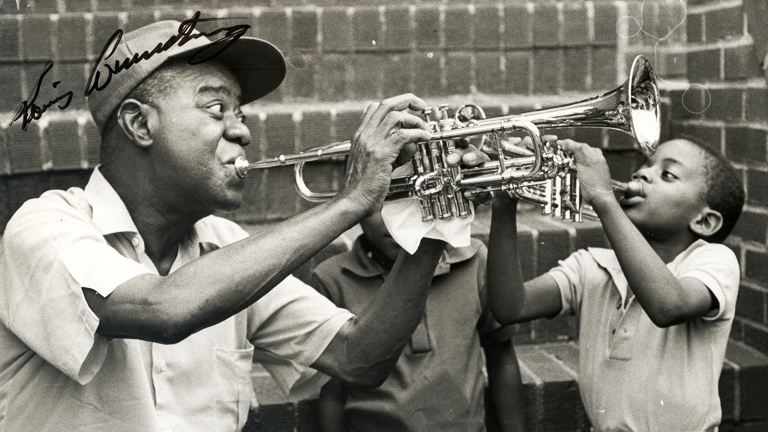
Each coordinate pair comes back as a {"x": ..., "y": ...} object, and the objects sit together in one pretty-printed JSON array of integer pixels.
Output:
[{"x": 258, "y": 66}]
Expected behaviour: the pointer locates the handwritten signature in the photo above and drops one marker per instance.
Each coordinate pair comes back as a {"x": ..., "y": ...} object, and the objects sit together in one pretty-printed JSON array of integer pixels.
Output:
[
  {"x": 29, "y": 111},
  {"x": 233, "y": 33}
]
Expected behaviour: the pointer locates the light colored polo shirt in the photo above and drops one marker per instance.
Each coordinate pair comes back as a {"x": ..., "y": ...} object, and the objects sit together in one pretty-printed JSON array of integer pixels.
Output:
[
  {"x": 438, "y": 382},
  {"x": 57, "y": 374},
  {"x": 634, "y": 376}
]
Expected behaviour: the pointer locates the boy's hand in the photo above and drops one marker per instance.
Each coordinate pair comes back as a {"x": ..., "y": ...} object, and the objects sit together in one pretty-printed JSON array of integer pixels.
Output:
[{"x": 592, "y": 169}]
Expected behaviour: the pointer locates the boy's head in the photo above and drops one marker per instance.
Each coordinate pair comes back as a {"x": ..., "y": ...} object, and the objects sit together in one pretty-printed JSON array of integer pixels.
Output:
[
  {"x": 378, "y": 236},
  {"x": 687, "y": 187}
]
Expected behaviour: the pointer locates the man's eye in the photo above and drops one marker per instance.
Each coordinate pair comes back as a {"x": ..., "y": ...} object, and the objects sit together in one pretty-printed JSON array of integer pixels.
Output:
[
  {"x": 241, "y": 117},
  {"x": 217, "y": 108}
]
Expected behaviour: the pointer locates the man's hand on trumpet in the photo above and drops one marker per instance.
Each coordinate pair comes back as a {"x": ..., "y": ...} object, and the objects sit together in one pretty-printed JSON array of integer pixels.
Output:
[{"x": 386, "y": 139}]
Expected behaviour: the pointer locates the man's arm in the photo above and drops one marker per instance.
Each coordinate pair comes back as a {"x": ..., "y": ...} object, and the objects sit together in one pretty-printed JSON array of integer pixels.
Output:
[
  {"x": 505, "y": 385},
  {"x": 333, "y": 397},
  {"x": 511, "y": 300},
  {"x": 666, "y": 299},
  {"x": 367, "y": 347}
]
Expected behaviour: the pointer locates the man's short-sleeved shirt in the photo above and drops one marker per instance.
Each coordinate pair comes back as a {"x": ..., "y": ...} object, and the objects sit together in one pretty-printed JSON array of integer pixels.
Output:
[
  {"x": 57, "y": 373},
  {"x": 633, "y": 375},
  {"x": 437, "y": 383}
]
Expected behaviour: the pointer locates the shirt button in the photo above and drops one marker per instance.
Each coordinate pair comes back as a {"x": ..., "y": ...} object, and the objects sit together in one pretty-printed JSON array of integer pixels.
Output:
[
  {"x": 135, "y": 241},
  {"x": 163, "y": 366}
]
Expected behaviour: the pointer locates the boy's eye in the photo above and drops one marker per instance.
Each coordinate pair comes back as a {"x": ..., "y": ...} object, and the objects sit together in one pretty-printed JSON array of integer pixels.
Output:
[{"x": 668, "y": 175}]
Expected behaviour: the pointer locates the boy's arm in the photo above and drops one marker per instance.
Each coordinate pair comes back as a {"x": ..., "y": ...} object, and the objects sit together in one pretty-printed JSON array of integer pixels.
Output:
[
  {"x": 510, "y": 300},
  {"x": 333, "y": 397},
  {"x": 505, "y": 385},
  {"x": 666, "y": 299}
]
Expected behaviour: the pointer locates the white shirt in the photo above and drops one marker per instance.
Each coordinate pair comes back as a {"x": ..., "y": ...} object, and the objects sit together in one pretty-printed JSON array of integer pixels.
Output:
[
  {"x": 634, "y": 376},
  {"x": 56, "y": 373}
]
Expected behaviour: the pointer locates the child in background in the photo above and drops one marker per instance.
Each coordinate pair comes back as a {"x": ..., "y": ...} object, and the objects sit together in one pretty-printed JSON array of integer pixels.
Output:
[
  {"x": 656, "y": 311},
  {"x": 438, "y": 382}
]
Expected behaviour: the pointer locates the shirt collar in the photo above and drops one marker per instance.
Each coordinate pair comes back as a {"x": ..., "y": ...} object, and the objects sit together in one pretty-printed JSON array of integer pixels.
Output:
[
  {"x": 110, "y": 216},
  {"x": 364, "y": 266}
]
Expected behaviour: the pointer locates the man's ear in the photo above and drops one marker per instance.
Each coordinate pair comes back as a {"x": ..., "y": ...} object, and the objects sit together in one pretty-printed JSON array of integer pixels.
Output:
[
  {"x": 707, "y": 223},
  {"x": 133, "y": 118}
]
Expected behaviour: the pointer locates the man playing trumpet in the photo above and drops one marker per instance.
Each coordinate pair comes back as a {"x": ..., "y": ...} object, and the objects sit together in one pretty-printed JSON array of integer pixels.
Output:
[{"x": 128, "y": 306}]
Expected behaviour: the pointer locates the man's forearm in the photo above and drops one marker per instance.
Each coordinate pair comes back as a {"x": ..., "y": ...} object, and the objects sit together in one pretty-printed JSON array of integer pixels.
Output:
[
  {"x": 219, "y": 284},
  {"x": 367, "y": 349}
]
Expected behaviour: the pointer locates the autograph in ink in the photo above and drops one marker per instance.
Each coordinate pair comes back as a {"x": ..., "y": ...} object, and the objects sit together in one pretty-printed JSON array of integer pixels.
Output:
[
  {"x": 233, "y": 33},
  {"x": 28, "y": 111}
]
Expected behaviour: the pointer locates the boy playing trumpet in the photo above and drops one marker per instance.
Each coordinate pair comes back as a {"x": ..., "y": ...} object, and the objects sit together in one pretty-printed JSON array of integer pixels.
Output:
[{"x": 655, "y": 311}]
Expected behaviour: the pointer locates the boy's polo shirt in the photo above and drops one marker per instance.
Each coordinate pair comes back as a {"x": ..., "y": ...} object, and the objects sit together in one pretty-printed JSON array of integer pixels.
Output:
[
  {"x": 57, "y": 373},
  {"x": 437, "y": 384},
  {"x": 634, "y": 376}
]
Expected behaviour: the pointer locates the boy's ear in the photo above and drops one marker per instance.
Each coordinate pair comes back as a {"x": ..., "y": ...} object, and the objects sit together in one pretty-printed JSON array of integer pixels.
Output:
[
  {"x": 707, "y": 223},
  {"x": 133, "y": 118}
]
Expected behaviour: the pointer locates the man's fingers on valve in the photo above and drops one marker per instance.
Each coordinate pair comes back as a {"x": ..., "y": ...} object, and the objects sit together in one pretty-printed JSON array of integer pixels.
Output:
[
  {"x": 479, "y": 196},
  {"x": 469, "y": 156},
  {"x": 397, "y": 103}
]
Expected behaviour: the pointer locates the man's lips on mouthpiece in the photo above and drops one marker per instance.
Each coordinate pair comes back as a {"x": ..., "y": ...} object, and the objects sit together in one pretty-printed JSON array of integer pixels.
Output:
[{"x": 634, "y": 189}]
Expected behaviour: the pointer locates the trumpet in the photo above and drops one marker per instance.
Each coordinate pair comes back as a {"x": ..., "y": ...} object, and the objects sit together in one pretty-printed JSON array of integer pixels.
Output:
[{"x": 545, "y": 176}]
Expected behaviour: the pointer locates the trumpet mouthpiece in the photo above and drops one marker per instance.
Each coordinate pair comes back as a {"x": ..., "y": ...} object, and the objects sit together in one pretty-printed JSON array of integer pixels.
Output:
[
  {"x": 634, "y": 188},
  {"x": 241, "y": 167}
]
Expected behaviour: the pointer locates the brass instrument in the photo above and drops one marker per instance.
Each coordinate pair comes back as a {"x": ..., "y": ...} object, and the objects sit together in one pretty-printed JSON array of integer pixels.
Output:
[{"x": 546, "y": 176}]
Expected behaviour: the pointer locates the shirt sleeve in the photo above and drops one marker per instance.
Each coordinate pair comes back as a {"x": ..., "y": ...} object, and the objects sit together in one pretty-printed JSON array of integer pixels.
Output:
[
  {"x": 569, "y": 275},
  {"x": 49, "y": 252},
  {"x": 290, "y": 327},
  {"x": 716, "y": 266}
]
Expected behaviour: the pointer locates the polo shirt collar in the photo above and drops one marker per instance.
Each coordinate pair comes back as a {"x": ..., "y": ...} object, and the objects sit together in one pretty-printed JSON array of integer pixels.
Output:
[
  {"x": 110, "y": 216},
  {"x": 364, "y": 266}
]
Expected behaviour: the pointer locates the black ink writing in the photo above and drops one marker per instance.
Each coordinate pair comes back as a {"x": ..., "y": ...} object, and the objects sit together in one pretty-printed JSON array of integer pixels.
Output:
[
  {"x": 28, "y": 111},
  {"x": 203, "y": 54}
]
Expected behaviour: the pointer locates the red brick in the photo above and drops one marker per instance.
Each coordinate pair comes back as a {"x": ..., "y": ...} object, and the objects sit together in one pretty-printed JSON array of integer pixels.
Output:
[
  {"x": 315, "y": 129},
  {"x": 754, "y": 372},
  {"x": 73, "y": 78},
  {"x": 397, "y": 75},
  {"x": 751, "y": 303},
  {"x": 757, "y": 192},
  {"x": 5, "y": 169},
  {"x": 399, "y": 33},
  {"x": 427, "y": 27},
  {"x": 282, "y": 199},
  {"x": 576, "y": 69},
  {"x": 279, "y": 133},
  {"x": 605, "y": 23},
  {"x": 36, "y": 37},
  {"x": 457, "y": 24},
  {"x": 70, "y": 38},
  {"x": 518, "y": 26},
  {"x": 755, "y": 267},
  {"x": 745, "y": 144},
  {"x": 458, "y": 73},
  {"x": 427, "y": 73},
  {"x": 672, "y": 21},
  {"x": 575, "y": 31},
  {"x": 9, "y": 7},
  {"x": 138, "y": 4},
  {"x": 136, "y": 19},
  {"x": 603, "y": 68},
  {"x": 689, "y": 103},
  {"x": 756, "y": 104},
  {"x": 547, "y": 71},
  {"x": 694, "y": 28},
  {"x": 104, "y": 26},
  {"x": 486, "y": 25},
  {"x": 546, "y": 25},
  {"x": 64, "y": 144},
  {"x": 518, "y": 73},
  {"x": 9, "y": 38},
  {"x": 741, "y": 63},
  {"x": 724, "y": 23},
  {"x": 704, "y": 66},
  {"x": 488, "y": 74},
  {"x": 337, "y": 30},
  {"x": 46, "y": 6},
  {"x": 78, "y": 6},
  {"x": 333, "y": 85},
  {"x": 672, "y": 65},
  {"x": 272, "y": 25},
  {"x": 300, "y": 78},
  {"x": 24, "y": 148},
  {"x": 304, "y": 29},
  {"x": 751, "y": 226},
  {"x": 367, "y": 29},
  {"x": 10, "y": 82},
  {"x": 756, "y": 337},
  {"x": 725, "y": 104},
  {"x": 367, "y": 76},
  {"x": 347, "y": 123}
]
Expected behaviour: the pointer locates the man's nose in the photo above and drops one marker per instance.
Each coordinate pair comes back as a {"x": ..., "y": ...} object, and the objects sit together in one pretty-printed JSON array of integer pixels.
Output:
[{"x": 236, "y": 131}]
